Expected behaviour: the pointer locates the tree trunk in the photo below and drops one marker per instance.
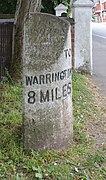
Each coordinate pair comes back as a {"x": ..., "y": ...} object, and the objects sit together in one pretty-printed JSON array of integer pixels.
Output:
[{"x": 22, "y": 9}]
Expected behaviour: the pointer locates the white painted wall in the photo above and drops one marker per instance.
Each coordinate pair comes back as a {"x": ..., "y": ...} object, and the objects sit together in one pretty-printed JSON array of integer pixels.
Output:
[
  {"x": 59, "y": 12},
  {"x": 82, "y": 13},
  {"x": 61, "y": 8}
]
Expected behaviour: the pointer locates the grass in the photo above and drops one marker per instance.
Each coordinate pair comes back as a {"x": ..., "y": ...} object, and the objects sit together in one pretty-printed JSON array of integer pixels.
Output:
[
  {"x": 80, "y": 162},
  {"x": 7, "y": 16}
]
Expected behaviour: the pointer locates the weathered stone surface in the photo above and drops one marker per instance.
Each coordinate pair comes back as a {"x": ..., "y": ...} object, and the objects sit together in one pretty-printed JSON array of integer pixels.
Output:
[
  {"x": 22, "y": 9},
  {"x": 82, "y": 3},
  {"x": 47, "y": 83}
]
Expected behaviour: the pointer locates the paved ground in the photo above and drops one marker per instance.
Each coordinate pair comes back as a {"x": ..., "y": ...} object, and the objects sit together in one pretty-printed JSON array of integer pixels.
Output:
[
  {"x": 97, "y": 128},
  {"x": 99, "y": 56}
]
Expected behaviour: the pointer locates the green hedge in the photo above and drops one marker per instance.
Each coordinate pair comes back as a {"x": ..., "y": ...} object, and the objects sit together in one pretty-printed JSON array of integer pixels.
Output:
[{"x": 7, "y": 6}]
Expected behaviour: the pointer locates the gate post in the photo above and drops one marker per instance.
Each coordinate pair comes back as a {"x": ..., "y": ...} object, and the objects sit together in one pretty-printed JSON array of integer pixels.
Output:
[{"x": 82, "y": 14}]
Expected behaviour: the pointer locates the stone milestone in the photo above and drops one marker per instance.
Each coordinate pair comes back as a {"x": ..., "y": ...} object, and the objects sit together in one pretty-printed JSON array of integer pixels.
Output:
[{"x": 47, "y": 72}]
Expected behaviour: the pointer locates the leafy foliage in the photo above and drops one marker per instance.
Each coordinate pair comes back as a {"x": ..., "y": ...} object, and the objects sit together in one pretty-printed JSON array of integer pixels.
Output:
[
  {"x": 47, "y": 7},
  {"x": 66, "y": 2},
  {"x": 7, "y": 6}
]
